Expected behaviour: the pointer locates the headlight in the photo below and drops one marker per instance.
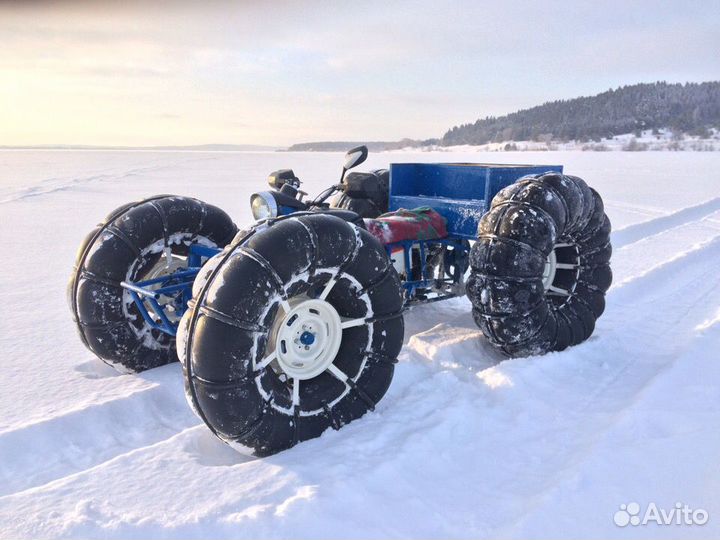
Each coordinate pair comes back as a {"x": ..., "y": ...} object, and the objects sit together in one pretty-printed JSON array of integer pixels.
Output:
[{"x": 263, "y": 205}]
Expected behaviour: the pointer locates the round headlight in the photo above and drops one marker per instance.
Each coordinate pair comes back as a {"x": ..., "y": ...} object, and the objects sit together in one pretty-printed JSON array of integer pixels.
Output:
[{"x": 263, "y": 205}]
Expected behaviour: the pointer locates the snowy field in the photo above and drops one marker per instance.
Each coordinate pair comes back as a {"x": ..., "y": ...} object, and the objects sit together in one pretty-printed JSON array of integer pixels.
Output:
[
  {"x": 643, "y": 141},
  {"x": 464, "y": 445}
]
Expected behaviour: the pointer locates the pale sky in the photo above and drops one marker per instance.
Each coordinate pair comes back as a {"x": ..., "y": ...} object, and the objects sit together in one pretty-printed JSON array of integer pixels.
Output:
[{"x": 264, "y": 72}]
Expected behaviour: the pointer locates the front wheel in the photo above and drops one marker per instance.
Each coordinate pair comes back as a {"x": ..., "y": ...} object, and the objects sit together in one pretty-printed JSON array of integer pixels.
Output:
[
  {"x": 541, "y": 265},
  {"x": 142, "y": 240},
  {"x": 294, "y": 329}
]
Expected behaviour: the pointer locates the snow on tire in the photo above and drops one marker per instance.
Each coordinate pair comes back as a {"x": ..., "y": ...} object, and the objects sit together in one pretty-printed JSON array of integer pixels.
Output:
[
  {"x": 540, "y": 266},
  {"x": 136, "y": 241},
  {"x": 296, "y": 330}
]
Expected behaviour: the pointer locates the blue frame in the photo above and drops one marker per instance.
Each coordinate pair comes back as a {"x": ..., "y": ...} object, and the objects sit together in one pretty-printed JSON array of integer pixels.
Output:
[
  {"x": 177, "y": 286},
  {"x": 410, "y": 286}
]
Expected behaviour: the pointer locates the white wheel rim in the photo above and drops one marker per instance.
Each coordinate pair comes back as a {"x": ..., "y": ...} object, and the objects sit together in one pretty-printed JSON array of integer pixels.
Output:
[
  {"x": 552, "y": 266},
  {"x": 308, "y": 338},
  {"x": 324, "y": 322},
  {"x": 550, "y": 269}
]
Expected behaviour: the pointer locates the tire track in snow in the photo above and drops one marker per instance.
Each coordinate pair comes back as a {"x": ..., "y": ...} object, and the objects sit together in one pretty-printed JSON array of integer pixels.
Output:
[
  {"x": 191, "y": 438},
  {"x": 633, "y": 260},
  {"x": 585, "y": 390},
  {"x": 107, "y": 487},
  {"x": 645, "y": 229},
  {"x": 666, "y": 303},
  {"x": 52, "y": 185},
  {"x": 669, "y": 269},
  {"x": 649, "y": 402},
  {"x": 80, "y": 439}
]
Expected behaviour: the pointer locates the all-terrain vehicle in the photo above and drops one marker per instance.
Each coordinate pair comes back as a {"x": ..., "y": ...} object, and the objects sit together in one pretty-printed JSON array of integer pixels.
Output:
[{"x": 293, "y": 325}]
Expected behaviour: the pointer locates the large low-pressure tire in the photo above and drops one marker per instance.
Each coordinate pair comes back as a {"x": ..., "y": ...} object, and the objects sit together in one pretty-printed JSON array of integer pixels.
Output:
[
  {"x": 293, "y": 329},
  {"x": 540, "y": 266},
  {"x": 137, "y": 241}
]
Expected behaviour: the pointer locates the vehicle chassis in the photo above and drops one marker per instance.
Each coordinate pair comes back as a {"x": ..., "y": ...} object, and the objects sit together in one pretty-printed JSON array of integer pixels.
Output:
[{"x": 461, "y": 193}]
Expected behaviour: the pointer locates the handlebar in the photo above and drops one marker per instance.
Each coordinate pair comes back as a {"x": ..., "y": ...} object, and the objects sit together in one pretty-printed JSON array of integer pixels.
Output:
[{"x": 323, "y": 196}]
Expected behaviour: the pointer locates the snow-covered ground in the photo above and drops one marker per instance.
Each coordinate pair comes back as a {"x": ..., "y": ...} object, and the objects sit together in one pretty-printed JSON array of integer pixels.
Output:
[
  {"x": 464, "y": 445},
  {"x": 641, "y": 141}
]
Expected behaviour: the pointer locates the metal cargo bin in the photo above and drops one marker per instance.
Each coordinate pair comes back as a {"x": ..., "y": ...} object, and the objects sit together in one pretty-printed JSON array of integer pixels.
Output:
[{"x": 460, "y": 192}]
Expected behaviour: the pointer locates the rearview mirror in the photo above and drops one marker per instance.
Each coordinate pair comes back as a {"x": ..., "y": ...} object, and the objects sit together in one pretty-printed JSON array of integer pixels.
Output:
[{"x": 355, "y": 157}]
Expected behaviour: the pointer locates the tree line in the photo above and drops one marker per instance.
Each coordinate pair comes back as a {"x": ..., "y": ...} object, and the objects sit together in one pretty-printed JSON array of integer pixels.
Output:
[{"x": 690, "y": 108}]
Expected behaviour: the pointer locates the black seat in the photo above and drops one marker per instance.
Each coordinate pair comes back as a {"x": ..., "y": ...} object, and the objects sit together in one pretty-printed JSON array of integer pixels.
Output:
[{"x": 365, "y": 193}]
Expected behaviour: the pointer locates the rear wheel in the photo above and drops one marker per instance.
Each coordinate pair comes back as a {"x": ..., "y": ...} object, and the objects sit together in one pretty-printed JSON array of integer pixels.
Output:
[
  {"x": 293, "y": 330},
  {"x": 138, "y": 241},
  {"x": 540, "y": 266}
]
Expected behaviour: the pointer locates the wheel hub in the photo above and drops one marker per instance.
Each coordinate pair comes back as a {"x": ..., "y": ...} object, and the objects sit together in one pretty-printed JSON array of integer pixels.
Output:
[
  {"x": 308, "y": 338},
  {"x": 166, "y": 265}
]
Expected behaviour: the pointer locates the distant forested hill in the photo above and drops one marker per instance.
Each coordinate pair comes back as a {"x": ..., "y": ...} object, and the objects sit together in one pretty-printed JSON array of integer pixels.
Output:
[
  {"x": 688, "y": 108},
  {"x": 373, "y": 146}
]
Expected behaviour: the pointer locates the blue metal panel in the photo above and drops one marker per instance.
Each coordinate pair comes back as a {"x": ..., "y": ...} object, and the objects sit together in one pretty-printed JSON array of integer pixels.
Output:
[
  {"x": 462, "y": 215},
  {"x": 176, "y": 286},
  {"x": 460, "y": 192}
]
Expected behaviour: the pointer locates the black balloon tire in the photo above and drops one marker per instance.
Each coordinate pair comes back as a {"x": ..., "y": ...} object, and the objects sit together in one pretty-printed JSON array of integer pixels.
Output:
[
  {"x": 235, "y": 300},
  {"x": 525, "y": 222},
  {"x": 122, "y": 245}
]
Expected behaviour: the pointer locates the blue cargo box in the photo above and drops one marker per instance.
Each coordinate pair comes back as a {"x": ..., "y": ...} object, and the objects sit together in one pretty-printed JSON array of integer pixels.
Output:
[{"x": 460, "y": 192}]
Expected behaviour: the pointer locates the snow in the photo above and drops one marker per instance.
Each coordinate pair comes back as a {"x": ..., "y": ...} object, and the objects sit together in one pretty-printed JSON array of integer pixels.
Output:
[
  {"x": 644, "y": 140},
  {"x": 463, "y": 445}
]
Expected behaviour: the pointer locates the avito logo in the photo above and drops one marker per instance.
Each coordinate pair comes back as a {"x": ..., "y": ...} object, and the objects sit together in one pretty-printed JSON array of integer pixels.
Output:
[{"x": 680, "y": 514}]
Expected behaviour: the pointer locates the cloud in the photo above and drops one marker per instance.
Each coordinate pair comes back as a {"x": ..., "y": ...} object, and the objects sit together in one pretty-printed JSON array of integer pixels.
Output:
[
  {"x": 167, "y": 116},
  {"x": 321, "y": 69}
]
